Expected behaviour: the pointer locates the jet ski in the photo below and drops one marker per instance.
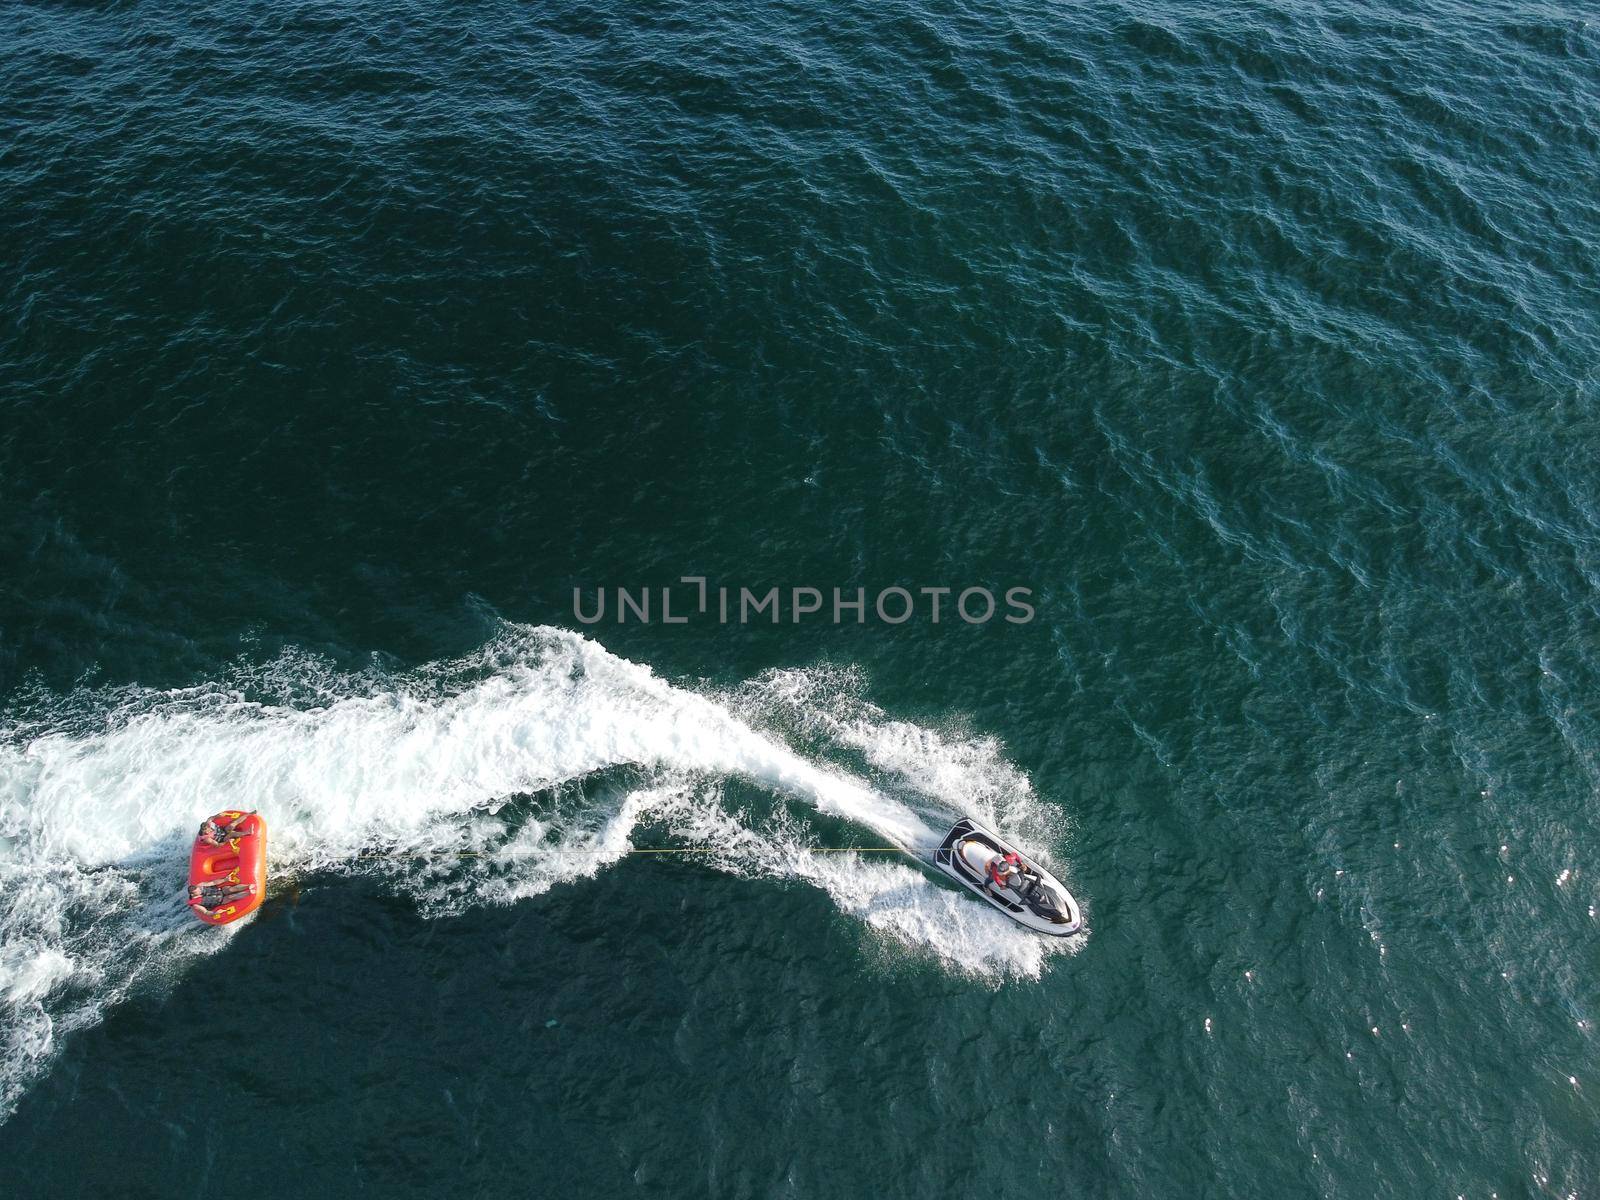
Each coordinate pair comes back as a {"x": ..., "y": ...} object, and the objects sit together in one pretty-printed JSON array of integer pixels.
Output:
[{"x": 1035, "y": 899}]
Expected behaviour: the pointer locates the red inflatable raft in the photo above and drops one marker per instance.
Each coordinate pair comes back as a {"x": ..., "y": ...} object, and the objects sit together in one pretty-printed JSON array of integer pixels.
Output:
[{"x": 229, "y": 881}]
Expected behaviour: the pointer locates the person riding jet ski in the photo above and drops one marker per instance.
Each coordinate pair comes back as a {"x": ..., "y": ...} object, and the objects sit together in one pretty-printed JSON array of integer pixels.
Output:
[{"x": 1005, "y": 870}]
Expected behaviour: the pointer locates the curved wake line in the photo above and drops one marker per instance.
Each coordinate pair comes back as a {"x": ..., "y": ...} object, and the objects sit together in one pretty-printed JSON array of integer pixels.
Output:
[{"x": 99, "y": 794}]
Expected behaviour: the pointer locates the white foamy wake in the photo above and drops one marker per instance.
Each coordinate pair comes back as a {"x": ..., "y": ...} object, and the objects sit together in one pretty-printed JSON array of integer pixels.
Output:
[{"x": 100, "y": 794}]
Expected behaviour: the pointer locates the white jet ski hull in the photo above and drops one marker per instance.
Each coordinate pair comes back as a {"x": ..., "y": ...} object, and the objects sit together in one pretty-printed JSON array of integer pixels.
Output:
[{"x": 1043, "y": 905}]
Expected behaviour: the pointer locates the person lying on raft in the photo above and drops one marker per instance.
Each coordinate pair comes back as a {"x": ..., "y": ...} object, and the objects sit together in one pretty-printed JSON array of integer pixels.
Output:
[
  {"x": 215, "y": 895},
  {"x": 217, "y": 835}
]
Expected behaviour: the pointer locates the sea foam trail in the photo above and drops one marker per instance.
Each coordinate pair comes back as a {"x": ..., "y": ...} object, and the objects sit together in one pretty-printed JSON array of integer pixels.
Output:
[{"x": 100, "y": 793}]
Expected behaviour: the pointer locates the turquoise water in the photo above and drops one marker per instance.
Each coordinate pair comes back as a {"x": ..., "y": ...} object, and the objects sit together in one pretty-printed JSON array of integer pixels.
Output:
[{"x": 340, "y": 343}]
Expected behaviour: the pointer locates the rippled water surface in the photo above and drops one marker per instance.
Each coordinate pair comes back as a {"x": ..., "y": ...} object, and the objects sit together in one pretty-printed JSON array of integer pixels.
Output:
[{"x": 340, "y": 342}]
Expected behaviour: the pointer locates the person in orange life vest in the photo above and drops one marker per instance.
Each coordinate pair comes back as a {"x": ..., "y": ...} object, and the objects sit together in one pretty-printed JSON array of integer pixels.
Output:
[{"x": 1005, "y": 870}]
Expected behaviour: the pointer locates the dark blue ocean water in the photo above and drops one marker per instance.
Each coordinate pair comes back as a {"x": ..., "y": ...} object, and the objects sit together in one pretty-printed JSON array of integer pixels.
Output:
[{"x": 341, "y": 342}]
